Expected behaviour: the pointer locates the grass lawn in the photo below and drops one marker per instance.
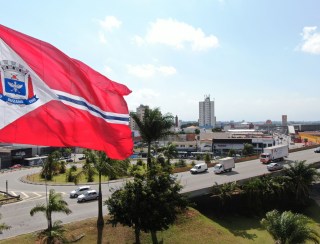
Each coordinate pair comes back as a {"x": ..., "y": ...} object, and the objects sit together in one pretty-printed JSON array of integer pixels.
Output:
[
  {"x": 61, "y": 178},
  {"x": 191, "y": 227}
]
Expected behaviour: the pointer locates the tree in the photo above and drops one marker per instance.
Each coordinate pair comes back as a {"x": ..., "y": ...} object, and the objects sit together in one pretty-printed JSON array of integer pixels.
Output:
[
  {"x": 289, "y": 228},
  {"x": 152, "y": 127},
  {"x": 216, "y": 129},
  {"x": 247, "y": 149},
  {"x": 97, "y": 163},
  {"x": 170, "y": 151},
  {"x": 67, "y": 152},
  {"x": 231, "y": 153},
  {"x": 3, "y": 226},
  {"x": 197, "y": 131},
  {"x": 301, "y": 176},
  {"x": 149, "y": 203},
  {"x": 207, "y": 158},
  {"x": 54, "y": 235},
  {"x": 54, "y": 204},
  {"x": 224, "y": 192},
  {"x": 51, "y": 166},
  {"x": 88, "y": 169}
]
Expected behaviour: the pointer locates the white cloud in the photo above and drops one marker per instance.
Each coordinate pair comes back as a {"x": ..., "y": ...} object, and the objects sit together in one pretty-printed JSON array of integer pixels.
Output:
[
  {"x": 178, "y": 34},
  {"x": 109, "y": 23},
  {"x": 138, "y": 40},
  {"x": 311, "y": 40},
  {"x": 102, "y": 38},
  {"x": 142, "y": 96},
  {"x": 149, "y": 70},
  {"x": 167, "y": 70}
]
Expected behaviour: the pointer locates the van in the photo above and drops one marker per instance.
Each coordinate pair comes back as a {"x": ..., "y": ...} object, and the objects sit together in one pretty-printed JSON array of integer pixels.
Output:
[{"x": 199, "y": 168}]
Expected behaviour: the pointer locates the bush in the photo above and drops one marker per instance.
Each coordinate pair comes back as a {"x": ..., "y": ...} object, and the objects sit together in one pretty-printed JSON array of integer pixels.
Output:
[
  {"x": 69, "y": 175},
  {"x": 73, "y": 168},
  {"x": 180, "y": 164},
  {"x": 63, "y": 168}
]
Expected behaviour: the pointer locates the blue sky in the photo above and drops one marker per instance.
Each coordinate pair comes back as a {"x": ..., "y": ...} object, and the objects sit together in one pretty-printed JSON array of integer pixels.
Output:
[{"x": 258, "y": 59}]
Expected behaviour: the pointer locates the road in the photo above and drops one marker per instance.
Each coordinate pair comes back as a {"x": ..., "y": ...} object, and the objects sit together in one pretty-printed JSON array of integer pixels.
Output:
[{"x": 17, "y": 214}]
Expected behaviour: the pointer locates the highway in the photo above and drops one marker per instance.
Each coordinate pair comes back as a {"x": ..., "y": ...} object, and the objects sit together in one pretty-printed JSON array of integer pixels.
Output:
[{"x": 17, "y": 214}]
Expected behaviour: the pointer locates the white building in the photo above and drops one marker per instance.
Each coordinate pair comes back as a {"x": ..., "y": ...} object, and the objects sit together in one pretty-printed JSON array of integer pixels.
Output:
[
  {"x": 207, "y": 117},
  {"x": 140, "y": 113}
]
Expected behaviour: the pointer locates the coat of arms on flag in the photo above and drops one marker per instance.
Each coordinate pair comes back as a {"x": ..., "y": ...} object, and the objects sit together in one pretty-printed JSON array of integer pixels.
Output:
[{"x": 16, "y": 84}]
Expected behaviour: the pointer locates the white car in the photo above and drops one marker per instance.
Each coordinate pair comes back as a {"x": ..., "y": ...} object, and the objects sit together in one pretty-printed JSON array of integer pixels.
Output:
[
  {"x": 274, "y": 166},
  {"x": 89, "y": 195},
  {"x": 80, "y": 190}
]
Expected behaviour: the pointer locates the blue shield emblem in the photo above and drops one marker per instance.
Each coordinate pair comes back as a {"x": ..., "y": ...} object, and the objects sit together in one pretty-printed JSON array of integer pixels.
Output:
[{"x": 16, "y": 83}]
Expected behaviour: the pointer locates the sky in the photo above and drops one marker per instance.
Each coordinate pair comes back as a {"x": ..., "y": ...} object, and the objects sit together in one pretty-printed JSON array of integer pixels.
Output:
[{"x": 257, "y": 60}]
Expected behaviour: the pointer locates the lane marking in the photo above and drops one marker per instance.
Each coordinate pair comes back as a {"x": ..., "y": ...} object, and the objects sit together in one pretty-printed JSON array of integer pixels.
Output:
[
  {"x": 37, "y": 194},
  {"x": 26, "y": 196}
]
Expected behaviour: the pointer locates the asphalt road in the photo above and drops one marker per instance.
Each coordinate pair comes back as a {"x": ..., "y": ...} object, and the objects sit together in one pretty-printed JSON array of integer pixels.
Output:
[{"x": 17, "y": 214}]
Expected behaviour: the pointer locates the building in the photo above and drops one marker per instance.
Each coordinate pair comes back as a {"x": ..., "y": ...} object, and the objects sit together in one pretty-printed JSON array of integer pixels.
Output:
[
  {"x": 140, "y": 113},
  {"x": 284, "y": 120},
  {"x": 222, "y": 142},
  {"x": 18, "y": 153},
  {"x": 207, "y": 117}
]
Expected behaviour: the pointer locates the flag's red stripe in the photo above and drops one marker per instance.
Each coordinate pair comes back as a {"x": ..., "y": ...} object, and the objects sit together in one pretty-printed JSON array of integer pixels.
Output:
[{"x": 63, "y": 127}]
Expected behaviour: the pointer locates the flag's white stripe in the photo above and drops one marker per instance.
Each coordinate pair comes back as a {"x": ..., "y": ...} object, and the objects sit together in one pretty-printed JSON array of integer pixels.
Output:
[{"x": 81, "y": 103}]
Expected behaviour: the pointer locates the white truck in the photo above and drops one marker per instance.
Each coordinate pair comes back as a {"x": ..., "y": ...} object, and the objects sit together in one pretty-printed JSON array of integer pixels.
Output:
[
  {"x": 224, "y": 165},
  {"x": 199, "y": 168},
  {"x": 274, "y": 153}
]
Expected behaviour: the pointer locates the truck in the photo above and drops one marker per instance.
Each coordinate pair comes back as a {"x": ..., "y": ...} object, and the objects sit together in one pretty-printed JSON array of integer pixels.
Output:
[
  {"x": 199, "y": 168},
  {"x": 274, "y": 153},
  {"x": 224, "y": 165}
]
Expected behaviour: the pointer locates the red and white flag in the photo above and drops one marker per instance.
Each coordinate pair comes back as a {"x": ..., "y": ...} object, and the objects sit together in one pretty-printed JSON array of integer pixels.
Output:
[{"x": 50, "y": 99}]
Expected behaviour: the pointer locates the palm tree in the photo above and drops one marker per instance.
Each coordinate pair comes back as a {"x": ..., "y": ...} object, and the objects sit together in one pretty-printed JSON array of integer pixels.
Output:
[
  {"x": 55, "y": 204},
  {"x": 289, "y": 228},
  {"x": 55, "y": 234},
  {"x": 52, "y": 166},
  {"x": 153, "y": 126},
  {"x": 98, "y": 163},
  {"x": 170, "y": 151},
  {"x": 88, "y": 170},
  {"x": 224, "y": 192},
  {"x": 301, "y": 176}
]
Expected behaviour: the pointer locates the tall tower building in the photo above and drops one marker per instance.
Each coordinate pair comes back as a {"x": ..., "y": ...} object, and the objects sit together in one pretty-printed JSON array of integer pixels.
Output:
[
  {"x": 140, "y": 113},
  {"x": 207, "y": 118},
  {"x": 284, "y": 120}
]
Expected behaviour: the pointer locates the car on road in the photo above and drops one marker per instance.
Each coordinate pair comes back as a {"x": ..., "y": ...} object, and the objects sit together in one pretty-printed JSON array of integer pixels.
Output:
[
  {"x": 69, "y": 160},
  {"x": 89, "y": 195},
  {"x": 317, "y": 150},
  {"x": 274, "y": 166},
  {"x": 16, "y": 166},
  {"x": 79, "y": 191}
]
